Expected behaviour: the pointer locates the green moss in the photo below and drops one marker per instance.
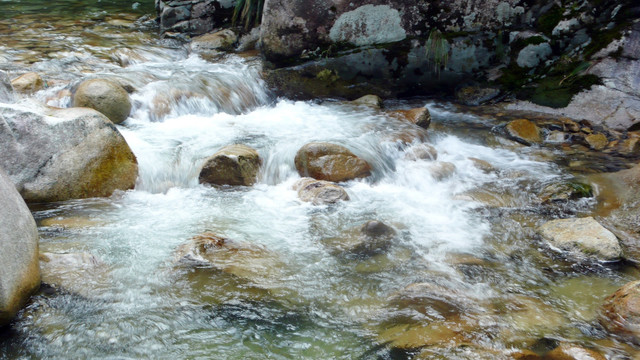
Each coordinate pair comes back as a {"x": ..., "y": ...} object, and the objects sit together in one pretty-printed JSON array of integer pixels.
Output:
[
  {"x": 556, "y": 93},
  {"x": 580, "y": 190},
  {"x": 548, "y": 21},
  {"x": 329, "y": 76}
]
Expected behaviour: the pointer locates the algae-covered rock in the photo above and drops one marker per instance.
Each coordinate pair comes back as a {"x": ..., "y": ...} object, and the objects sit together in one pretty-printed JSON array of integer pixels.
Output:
[
  {"x": 319, "y": 192},
  {"x": 596, "y": 141},
  {"x": 565, "y": 191},
  {"x": 20, "y": 272},
  {"x": 106, "y": 96},
  {"x": 331, "y": 162},
  {"x": 232, "y": 165},
  {"x": 524, "y": 131},
  {"x": 64, "y": 154},
  {"x": 584, "y": 236}
]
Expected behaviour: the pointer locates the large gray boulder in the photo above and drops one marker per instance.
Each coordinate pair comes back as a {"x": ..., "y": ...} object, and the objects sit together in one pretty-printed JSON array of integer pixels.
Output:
[
  {"x": 20, "y": 271},
  {"x": 106, "y": 96},
  {"x": 61, "y": 154}
]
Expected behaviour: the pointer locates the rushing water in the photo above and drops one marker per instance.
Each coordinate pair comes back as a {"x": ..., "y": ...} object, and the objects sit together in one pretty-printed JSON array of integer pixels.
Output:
[{"x": 470, "y": 234}]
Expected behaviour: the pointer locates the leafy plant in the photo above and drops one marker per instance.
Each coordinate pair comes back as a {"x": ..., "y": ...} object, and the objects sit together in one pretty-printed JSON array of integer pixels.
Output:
[
  {"x": 437, "y": 48},
  {"x": 248, "y": 12}
]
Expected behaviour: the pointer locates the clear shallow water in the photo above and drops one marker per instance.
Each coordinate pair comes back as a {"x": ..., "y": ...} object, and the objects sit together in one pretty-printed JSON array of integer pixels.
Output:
[{"x": 310, "y": 304}]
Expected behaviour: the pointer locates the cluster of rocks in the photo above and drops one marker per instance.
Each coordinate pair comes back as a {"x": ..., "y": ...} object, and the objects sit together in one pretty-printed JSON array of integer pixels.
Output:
[{"x": 52, "y": 154}]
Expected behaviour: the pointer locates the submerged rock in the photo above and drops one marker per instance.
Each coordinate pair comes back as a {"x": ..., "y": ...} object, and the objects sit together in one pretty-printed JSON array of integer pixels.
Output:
[
  {"x": 583, "y": 237},
  {"x": 28, "y": 83},
  {"x": 331, "y": 162},
  {"x": 524, "y": 131},
  {"x": 320, "y": 192},
  {"x": 421, "y": 152},
  {"x": 474, "y": 95},
  {"x": 75, "y": 272},
  {"x": 373, "y": 237},
  {"x": 621, "y": 312},
  {"x": 441, "y": 170},
  {"x": 418, "y": 116},
  {"x": 566, "y": 351},
  {"x": 373, "y": 101},
  {"x": 232, "y": 165},
  {"x": 65, "y": 154},
  {"x": 106, "y": 96},
  {"x": 20, "y": 272},
  {"x": 244, "y": 260}
]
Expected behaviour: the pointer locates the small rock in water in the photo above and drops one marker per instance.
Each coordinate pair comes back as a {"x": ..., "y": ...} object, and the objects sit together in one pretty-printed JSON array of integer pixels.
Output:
[
  {"x": 373, "y": 101},
  {"x": 325, "y": 161},
  {"x": 373, "y": 237},
  {"x": 319, "y": 192},
  {"x": 621, "y": 312},
  {"x": 565, "y": 192},
  {"x": 524, "y": 131},
  {"x": 222, "y": 40},
  {"x": 421, "y": 152},
  {"x": 596, "y": 141},
  {"x": 418, "y": 116},
  {"x": 583, "y": 237},
  {"x": 566, "y": 351},
  {"x": 232, "y": 165},
  {"x": 106, "y": 96},
  {"x": 28, "y": 83},
  {"x": 483, "y": 165}
]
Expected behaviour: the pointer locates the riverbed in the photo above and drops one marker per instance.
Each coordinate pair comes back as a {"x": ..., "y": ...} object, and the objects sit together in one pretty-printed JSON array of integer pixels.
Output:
[{"x": 469, "y": 237}]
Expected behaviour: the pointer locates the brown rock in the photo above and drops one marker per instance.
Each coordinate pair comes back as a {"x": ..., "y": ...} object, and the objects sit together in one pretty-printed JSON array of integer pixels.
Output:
[
  {"x": 441, "y": 170},
  {"x": 630, "y": 146},
  {"x": 325, "y": 161},
  {"x": 419, "y": 116},
  {"x": 567, "y": 351},
  {"x": 621, "y": 312},
  {"x": 28, "y": 83},
  {"x": 570, "y": 125},
  {"x": 319, "y": 192},
  {"x": 596, "y": 141},
  {"x": 524, "y": 131},
  {"x": 222, "y": 40},
  {"x": 483, "y": 165},
  {"x": 232, "y": 165}
]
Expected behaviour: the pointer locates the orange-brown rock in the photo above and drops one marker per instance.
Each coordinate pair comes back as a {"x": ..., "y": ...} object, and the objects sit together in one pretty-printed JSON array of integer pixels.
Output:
[
  {"x": 524, "y": 131},
  {"x": 419, "y": 116}
]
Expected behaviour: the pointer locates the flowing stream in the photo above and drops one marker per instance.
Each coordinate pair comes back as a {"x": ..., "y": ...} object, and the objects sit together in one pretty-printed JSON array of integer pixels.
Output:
[{"x": 470, "y": 234}]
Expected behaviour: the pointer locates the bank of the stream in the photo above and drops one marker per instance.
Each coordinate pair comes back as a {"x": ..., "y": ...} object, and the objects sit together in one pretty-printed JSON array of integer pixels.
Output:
[{"x": 463, "y": 272}]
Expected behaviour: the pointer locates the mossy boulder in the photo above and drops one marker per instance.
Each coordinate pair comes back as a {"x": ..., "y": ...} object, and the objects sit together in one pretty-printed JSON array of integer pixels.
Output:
[
  {"x": 331, "y": 162},
  {"x": 232, "y": 165},
  {"x": 61, "y": 154},
  {"x": 320, "y": 192},
  {"x": 559, "y": 192},
  {"x": 106, "y": 96},
  {"x": 20, "y": 272}
]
